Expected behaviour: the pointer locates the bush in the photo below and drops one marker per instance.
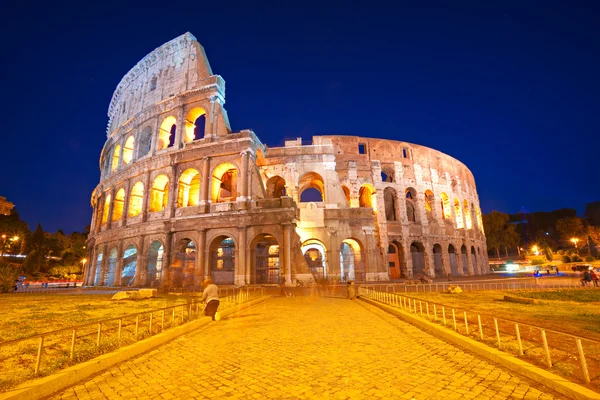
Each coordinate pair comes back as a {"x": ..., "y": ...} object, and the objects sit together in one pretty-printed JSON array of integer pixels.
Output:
[
  {"x": 538, "y": 260},
  {"x": 575, "y": 258},
  {"x": 589, "y": 258},
  {"x": 8, "y": 276},
  {"x": 561, "y": 252},
  {"x": 566, "y": 259}
]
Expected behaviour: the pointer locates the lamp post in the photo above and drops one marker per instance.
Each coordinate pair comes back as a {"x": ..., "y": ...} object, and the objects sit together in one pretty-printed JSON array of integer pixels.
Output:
[{"x": 575, "y": 240}]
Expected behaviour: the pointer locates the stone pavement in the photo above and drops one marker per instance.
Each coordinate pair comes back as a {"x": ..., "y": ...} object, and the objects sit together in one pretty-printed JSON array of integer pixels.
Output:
[{"x": 307, "y": 348}]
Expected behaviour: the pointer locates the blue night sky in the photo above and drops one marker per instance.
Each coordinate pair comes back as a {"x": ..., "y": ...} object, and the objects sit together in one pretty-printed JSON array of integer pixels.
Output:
[{"x": 511, "y": 89}]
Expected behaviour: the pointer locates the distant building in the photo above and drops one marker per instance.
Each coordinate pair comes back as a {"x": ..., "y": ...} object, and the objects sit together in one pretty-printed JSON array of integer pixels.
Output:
[{"x": 5, "y": 206}]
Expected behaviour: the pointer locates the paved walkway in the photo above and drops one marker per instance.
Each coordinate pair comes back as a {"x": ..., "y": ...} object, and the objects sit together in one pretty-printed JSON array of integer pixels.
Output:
[{"x": 307, "y": 348}]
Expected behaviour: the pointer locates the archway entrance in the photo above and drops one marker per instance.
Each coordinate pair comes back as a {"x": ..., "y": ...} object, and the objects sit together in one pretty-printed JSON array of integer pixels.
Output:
[
  {"x": 314, "y": 254},
  {"x": 453, "y": 261},
  {"x": 266, "y": 263},
  {"x": 351, "y": 262},
  {"x": 417, "y": 253},
  {"x": 109, "y": 277},
  {"x": 438, "y": 261},
  {"x": 155, "y": 261},
  {"x": 184, "y": 264},
  {"x": 222, "y": 260},
  {"x": 394, "y": 258},
  {"x": 129, "y": 266}
]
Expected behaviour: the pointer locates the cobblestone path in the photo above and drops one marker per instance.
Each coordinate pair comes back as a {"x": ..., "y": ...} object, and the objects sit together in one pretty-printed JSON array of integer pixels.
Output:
[{"x": 307, "y": 348}]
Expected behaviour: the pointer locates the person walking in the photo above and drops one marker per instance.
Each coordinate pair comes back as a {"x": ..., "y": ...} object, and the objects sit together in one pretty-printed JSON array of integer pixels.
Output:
[
  {"x": 210, "y": 297},
  {"x": 587, "y": 278},
  {"x": 351, "y": 290},
  {"x": 594, "y": 276}
]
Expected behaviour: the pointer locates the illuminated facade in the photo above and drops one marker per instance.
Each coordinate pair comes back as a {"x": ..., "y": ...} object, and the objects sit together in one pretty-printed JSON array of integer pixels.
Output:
[
  {"x": 5, "y": 206},
  {"x": 182, "y": 197}
]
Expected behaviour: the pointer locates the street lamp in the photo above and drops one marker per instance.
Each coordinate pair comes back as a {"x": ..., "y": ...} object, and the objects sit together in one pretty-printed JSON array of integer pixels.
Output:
[
  {"x": 575, "y": 240},
  {"x": 535, "y": 250}
]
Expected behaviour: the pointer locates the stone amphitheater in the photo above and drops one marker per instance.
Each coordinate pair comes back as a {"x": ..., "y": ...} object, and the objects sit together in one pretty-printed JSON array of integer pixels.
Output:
[{"x": 182, "y": 197}]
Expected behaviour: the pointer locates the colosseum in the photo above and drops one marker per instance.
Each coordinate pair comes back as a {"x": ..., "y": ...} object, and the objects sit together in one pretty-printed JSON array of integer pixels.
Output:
[{"x": 182, "y": 197}]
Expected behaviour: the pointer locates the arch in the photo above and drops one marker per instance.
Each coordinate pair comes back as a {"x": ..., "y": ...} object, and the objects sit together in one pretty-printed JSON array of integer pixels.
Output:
[
  {"x": 195, "y": 124},
  {"x": 266, "y": 262},
  {"x": 98, "y": 268},
  {"x": 458, "y": 212},
  {"x": 387, "y": 174},
  {"x": 222, "y": 260},
  {"x": 136, "y": 200},
  {"x": 276, "y": 187},
  {"x": 429, "y": 202},
  {"x": 129, "y": 266},
  {"x": 352, "y": 266},
  {"x": 166, "y": 133},
  {"x": 411, "y": 211},
  {"x": 366, "y": 196},
  {"x": 474, "y": 260},
  {"x": 389, "y": 199},
  {"x": 159, "y": 194},
  {"x": 314, "y": 252},
  {"x": 106, "y": 209},
  {"x": 224, "y": 181},
  {"x": 111, "y": 268},
  {"x": 446, "y": 208},
  {"x": 396, "y": 260},
  {"x": 144, "y": 142},
  {"x": 453, "y": 261},
  {"x": 346, "y": 194},
  {"x": 119, "y": 204},
  {"x": 438, "y": 260},
  {"x": 155, "y": 262},
  {"x": 465, "y": 259},
  {"x": 417, "y": 252},
  {"x": 188, "y": 191},
  {"x": 468, "y": 222},
  {"x": 115, "y": 158},
  {"x": 184, "y": 263},
  {"x": 128, "y": 150},
  {"x": 311, "y": 180}
]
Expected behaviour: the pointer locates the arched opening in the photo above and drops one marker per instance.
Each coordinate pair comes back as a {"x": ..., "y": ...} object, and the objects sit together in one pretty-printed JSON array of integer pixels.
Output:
[
  {"x": 224, "y": 183},
  {"x": 276, "y": 187},
  {"x": 458, "y": 212},
  {"x": 266, "y": 261},
  {"x": 346, "y": 194},
  {"x": 468, "y": 221},
  {"x": 438, "y": 260},
  {"x": 387, "y": 175},
  {"x": 117, "y": 213},
  {"x": 106, "y": 209},
  {"x": 144, "y": 142},
  {"x": 417, "y": 252},
  {"x": 115, "y": 158},
  {"x": 128, "y": 150},
  {"x": 188, "y": 192},
  {"x": 389, "y": 198},
  {"x": 311, "y": 180},
  {"x": 314, "y": 253},
  {"x": 222, "y": 260},
  {"x": 166, "y": 133},
  {"x": 195, "y": 124},
  {"x": 465, "y": 260},
  {"x": 352, "y": 266},
  {"x": 479, "y": 219},
  {"x": 98, "y": 269},
  {"x": 109, "y": 277},
  {"x": 160, "y": 193},
  {"x": 429, "y": 202},
  {"x": 366, "y": 197},
  {"x": 446, "y": 208},
  {"x": 155, "y": 263},
  {"x": 136, "y": 200},
  {"x": 184, "y": 263},
  {"x": 474, "y": 260},
  {"x": 395, "y": 260},
  {"x": 129, "y": 266},
  {"x": 453, "y": 261},
  {"x": 410, "y": 195}
]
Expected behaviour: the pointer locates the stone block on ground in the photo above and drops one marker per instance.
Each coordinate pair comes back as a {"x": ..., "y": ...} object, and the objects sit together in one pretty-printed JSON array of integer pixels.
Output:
[
  {"x": 148, "y": 293},
  {"x": 127, "y": 295}
]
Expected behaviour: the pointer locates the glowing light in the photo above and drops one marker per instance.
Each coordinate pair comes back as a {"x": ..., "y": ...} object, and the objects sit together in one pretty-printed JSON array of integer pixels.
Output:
[{"x": 535, "y": 250}]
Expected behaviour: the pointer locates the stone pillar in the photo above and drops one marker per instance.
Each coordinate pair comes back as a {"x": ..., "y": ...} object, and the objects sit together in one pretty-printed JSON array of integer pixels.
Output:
[
  {"x": 146, "y": 198},
  {"x": 205, "y": 186},
  {"x": 243, "y": 183},
  {"x": 200, "y": 258},
  {"x": 172, "y": 201},
  {"x": 240, "y": 265},
  {"x": 287, "y": 252},
  {"x": 119, "y": 265},
  {"x": 104, "y": 264},
  {"x": 459, "y": 261},
  {"x": 180, "y": 130},
  {"x": 126, "y": 201},
  {"x": 110, "y": 208},
  {"x": 166, "y": 268},
  {"x": 249, "y": 258},
  {"x": 141, "y": 264}
]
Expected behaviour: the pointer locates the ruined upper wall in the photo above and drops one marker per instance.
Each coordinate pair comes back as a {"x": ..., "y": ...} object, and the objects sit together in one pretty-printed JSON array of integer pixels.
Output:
[{"x": 175, "y": 67}]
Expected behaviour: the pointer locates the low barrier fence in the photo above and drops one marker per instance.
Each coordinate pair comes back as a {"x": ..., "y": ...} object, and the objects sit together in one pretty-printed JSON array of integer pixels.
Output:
[
  {"x": 471, "y": 287},
  {"x": 561, "y": 352},
  {"x": 46, "y": 353}
]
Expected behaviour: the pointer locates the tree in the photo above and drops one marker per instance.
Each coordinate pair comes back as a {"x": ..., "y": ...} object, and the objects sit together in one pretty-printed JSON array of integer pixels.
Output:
[
  {"x": 494, "y": 225},
  {"x": 510, "y": 237},
  {"x": 592, "y": 213},
  {"x": 570, "y": 227}
]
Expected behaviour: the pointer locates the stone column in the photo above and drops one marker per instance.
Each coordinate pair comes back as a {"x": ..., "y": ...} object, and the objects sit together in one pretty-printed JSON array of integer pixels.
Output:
[
  {"x": 205, "y": 186},
  {"x": 459, "y": 261},
  {"x": 172, "y": 201},
  {"x": 180, "y": 130},
  {"x": 146, "y": 198},
  {"x": 126, "y": 201},
  {"x": 243, "y": 184},
  {"x": 104, "y": 265},
  {"x": 110, "y": 208},
  {"x": 200, "y": 258},
  {"x": 166, "y": 267},
  {"x": 249, "y": 258},
  {"x": 119, "y": 266},
  {"x": 240, "y": 265},
  {"x": 287, "y": 252},
  {"x": 141, "y": 261}
]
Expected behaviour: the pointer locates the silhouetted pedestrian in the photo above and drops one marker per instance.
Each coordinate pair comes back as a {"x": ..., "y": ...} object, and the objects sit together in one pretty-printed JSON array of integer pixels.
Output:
[{"x": 210, "y": 297}]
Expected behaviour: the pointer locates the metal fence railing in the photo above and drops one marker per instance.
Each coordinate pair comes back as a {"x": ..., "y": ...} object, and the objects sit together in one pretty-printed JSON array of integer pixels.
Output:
[
  {"x": 43, "y": 354},
  {"x": 470, "y": 287},
  {"x": 561, "y": 352}
]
